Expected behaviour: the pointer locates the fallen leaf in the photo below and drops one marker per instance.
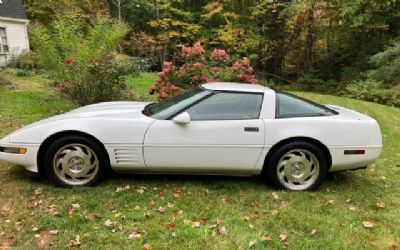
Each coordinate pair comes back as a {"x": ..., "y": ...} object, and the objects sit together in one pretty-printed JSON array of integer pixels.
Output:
[
  {"x": 284, "y": 203},
  {"x": 44, "y": 241},
  {"x": 134, "y": 234},
  {"x": 222, "y": 231},
  {"x": 252, "y": 243},
  {"x": 274, "y": 212},
  {"x": 328, "y": 202},
  {"x": 313, "y": 232},
  {"x": 152, "y": 202},
  {"x": 251, "y": 226},
  {"x": 392, "y": 247},
  {"x": 120, "y": 189},
  {"x": 146, "y": 214},
  {"x": 35, "y": 229},
  {"x": 178, "y": 192},
  {"x": 53, "y": 232},
  {"x": 352, "y": 208},
  {"x": 180, "y": 212},
  {"x": 284, "y": 239},
  {"x": 108, "y": 223},
  {"x": 161, "y": 210},
  {"x": 147, "y": 246},
  {"x": 137, "y": 207},
  {"x": 368, "y": 224},
  {"x": 196, "y": 224},
  {"x": 264, "y": 238},
  {"x": 170, "y": 226},
  {"x": 118, "y": 214},
  {"x": 89, "y": 216},
  {"x": 38, "y": 191},
  {"x": 380, "y": 204},
  {"x": 206, "y": 190},
  {"x": 169, "y": 205},
  {"x": 140, "y": 191},
  {"x": 246, "y": 218},
  {"x": 6, "y": 208},
  {"x": 5, "y": 245},
  {"x": 76, "y": 206},
  {"x": 74, "y": 242},
  {"x": 162, "y": 197},
  {"x": 274, "y": 196},
  {"x": 203, "y": 220}
]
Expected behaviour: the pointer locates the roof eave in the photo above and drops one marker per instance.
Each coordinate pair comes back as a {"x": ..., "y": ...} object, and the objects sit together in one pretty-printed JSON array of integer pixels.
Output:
[{"x": 25, "y": 21}]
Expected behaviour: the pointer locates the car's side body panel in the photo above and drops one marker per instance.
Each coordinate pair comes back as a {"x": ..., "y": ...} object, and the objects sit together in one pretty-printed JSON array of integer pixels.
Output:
[{"x": 204, "y": 146}]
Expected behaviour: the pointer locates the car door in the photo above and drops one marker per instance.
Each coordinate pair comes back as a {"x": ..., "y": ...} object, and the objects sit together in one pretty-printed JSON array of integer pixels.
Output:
[{"x": 225, "y": 134}]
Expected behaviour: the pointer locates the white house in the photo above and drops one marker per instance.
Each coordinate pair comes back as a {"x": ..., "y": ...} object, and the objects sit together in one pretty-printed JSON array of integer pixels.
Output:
[{"x": 13, "y": 30}]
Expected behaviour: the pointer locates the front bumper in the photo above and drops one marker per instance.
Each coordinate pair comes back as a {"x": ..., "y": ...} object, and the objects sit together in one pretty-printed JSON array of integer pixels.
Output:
[{"x": 28, "y": 159}]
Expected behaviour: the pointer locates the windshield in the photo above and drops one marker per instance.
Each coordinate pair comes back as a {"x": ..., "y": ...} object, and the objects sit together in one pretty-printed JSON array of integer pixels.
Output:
[{"x": 167, "y": 108}]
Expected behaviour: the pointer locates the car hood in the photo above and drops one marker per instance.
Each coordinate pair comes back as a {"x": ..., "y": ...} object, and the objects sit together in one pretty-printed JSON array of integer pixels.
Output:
[{"x": 106, "y": 110}]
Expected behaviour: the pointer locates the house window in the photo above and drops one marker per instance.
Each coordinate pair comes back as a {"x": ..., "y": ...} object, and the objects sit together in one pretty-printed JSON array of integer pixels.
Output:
[{"x": 3, "y": 41}]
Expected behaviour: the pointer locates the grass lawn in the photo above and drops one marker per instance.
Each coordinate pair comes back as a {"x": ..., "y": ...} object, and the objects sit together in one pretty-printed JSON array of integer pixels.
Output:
[
  {"x": 194, "y": 212},
  {"x": 140, "y": 85}
]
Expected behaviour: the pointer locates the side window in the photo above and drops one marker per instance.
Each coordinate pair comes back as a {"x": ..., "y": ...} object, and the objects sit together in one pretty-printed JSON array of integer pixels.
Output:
[
  {"x": 292, "y": 106},
  {"x": 227, "y": 106},
  {"x": 3, "y": 41}
]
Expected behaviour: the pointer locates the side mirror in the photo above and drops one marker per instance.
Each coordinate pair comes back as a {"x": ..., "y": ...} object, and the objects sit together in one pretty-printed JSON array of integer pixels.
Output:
[{"x": 182, "y": 119}]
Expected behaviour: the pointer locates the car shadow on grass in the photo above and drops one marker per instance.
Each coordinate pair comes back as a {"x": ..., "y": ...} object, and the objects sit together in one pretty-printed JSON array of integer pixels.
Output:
[{"x": 340, "y": 180}]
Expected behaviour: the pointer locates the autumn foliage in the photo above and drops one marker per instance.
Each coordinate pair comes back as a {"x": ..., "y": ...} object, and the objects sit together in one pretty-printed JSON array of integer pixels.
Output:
[{"x": 200, "y": 67}]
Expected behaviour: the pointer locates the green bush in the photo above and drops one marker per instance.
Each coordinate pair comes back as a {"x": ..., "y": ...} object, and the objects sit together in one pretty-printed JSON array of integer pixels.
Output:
[
  {"x": 23, "y": 73},
  {"x": 82, "y": 57},
  {"x": 102, "y": 80},
  {"x": 386, "y": 66},
  {"x": 26, "y": 61},
  {"x": 374, "y": 91},
  {"x": 128, "y": 63},
  {"x": 141, "y": 63}
]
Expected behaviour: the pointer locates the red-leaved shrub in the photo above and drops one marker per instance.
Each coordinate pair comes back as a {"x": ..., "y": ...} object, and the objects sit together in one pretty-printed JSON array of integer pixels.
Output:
[{"x": 198, "y": 68}]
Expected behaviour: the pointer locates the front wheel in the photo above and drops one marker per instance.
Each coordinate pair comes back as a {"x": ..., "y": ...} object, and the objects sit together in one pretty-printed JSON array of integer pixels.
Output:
[
  {"x": 75, "y": 161},
  {"x": 297, "y": 166}
]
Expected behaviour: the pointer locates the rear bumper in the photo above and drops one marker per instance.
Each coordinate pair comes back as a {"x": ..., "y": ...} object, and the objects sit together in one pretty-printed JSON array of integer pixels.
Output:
[
  {"x": 28, "y": 160},
  {"x": 341, "y": 162}
]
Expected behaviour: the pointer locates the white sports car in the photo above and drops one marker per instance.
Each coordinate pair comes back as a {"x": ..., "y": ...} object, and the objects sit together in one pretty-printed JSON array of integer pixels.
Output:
[{"x": 218, "y": 128}]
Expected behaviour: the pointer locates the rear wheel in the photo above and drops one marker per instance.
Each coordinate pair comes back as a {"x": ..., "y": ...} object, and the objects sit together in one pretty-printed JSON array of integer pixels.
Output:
[
  {"x": 75, "y": 161},
  {"x": 297, "y": 166}
]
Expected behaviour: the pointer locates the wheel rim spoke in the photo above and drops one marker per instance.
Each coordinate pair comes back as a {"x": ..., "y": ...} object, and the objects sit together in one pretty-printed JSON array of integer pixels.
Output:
[
  {"x": 76, "y": 164},
  {"x": 298, "y": 169}
]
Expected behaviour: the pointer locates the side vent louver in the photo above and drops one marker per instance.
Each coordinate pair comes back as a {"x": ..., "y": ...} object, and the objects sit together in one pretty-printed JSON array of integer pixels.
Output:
[{"x": 126, "y": 156}]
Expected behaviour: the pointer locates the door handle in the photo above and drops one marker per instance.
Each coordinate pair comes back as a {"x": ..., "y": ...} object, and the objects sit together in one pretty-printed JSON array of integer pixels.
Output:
[{"x": 251, "y": 129}]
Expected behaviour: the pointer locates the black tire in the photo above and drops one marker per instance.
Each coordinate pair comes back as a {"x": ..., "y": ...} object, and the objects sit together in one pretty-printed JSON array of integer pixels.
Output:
[
  {"x": 271, "y": 167},
  {"x": 102, "y": 166}
]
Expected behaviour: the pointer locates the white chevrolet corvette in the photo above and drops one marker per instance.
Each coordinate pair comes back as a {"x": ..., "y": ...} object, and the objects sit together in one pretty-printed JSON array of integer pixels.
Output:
[{"x": 218, "y": 128}]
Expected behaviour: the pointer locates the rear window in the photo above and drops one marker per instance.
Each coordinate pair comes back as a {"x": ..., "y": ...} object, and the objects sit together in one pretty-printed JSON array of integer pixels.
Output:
[{"x": 288, "y": 105}]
